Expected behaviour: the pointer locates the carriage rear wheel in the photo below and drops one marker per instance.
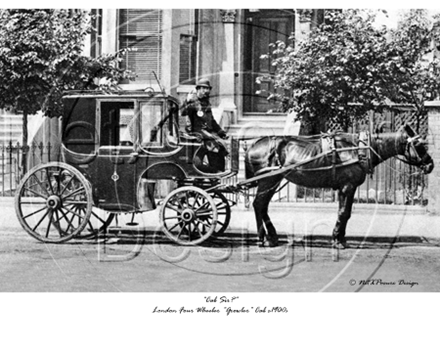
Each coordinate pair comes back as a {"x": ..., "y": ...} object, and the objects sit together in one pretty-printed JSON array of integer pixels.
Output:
[
  {"x": 188, "y": 216},
  {"x": 54, "y": 202},
  {"x": 98, "y": 223},
  {"x": 223, "y": 212}
]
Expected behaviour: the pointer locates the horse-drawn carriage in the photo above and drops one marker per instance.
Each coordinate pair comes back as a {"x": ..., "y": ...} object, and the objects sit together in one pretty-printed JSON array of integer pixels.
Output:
[{"x": 115, "y": 148}]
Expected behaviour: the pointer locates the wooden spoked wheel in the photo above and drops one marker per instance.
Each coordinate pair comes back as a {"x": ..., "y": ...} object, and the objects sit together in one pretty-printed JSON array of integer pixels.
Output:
[
  {"x": 98, "y": 223},
  {"x": 54, "y": 202},
  {"x": 188, "y": 216},
  {"x": 223, "y": 212}
]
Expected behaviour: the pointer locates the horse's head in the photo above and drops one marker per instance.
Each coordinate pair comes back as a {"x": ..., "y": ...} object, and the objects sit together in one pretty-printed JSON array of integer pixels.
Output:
[{"x": 414, "y": 150}]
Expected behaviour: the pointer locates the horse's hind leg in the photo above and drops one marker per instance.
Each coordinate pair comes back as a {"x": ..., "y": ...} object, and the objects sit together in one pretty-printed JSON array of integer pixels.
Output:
[{"x": 265, "y": 191}]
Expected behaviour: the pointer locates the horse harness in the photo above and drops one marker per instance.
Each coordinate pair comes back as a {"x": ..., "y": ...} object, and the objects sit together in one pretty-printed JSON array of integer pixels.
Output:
[{"x": 328, "y": 146}]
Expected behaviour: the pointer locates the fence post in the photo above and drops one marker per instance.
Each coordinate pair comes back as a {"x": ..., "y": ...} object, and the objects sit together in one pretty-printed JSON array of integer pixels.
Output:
[
  {"x": 11, "y": 165},
  {"x": 49, "y": 147},
  {"x": 433, "y": 108},
  {"x": 3, "y": 170},
  {"x": 41, "y": 147},
  {"x": 18, "y": 175}
]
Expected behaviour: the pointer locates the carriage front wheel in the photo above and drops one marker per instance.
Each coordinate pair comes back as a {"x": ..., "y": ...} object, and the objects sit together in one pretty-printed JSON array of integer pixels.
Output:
[
  {"x": 223, "y": 212},
  {"x": 54, "y": 202},
  {"x": 188, "y": 215}
]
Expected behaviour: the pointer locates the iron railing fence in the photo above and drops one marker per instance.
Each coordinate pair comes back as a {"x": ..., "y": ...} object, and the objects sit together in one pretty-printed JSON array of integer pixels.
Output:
[
  {"x": 11, "y": 162},
  {"x": 393, "y": 182}
]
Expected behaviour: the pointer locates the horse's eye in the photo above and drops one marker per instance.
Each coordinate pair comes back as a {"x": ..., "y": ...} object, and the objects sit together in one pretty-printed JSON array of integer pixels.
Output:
[{"x": 420, "y": 148}]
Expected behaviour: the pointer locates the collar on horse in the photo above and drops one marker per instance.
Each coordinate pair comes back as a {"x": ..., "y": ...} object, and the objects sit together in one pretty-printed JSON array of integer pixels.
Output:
[{"x": 364, "y": 152}]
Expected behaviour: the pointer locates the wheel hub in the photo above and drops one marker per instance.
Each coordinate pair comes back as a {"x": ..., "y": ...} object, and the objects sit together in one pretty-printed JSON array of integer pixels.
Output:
[
  {"x": 53, "y": 202},
  {"x": 188, "y": 215}
]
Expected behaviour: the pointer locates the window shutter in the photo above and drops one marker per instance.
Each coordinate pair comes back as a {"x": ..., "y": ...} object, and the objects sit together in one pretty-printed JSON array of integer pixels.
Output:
[{"x": 140, "y": 30}]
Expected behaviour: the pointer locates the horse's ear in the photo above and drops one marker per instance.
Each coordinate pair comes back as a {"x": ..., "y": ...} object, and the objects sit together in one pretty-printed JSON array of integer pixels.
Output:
[{"x": 408, "y": 129}]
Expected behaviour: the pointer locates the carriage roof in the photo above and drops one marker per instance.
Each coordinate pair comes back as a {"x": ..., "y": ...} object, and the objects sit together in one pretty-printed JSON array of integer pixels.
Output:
[
  {"x": 84, "y": 106},
  {"x": 130, "y": 94}
]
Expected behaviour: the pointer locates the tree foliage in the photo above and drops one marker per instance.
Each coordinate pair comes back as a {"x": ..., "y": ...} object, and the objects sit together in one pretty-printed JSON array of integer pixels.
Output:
[
  {"x": 349, "y": 66},
  {"x": 41, "y": 55}
]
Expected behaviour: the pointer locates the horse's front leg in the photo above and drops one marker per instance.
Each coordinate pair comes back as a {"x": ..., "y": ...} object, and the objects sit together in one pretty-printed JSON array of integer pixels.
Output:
[
  {"x": 265, "y": 191},
  {"x": 345, "y": 197}
]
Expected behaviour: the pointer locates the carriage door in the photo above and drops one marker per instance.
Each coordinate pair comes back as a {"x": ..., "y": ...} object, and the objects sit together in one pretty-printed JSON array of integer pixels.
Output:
[
  {"x": 116, "y": 169},
  {"x": 262, "y": 27}
]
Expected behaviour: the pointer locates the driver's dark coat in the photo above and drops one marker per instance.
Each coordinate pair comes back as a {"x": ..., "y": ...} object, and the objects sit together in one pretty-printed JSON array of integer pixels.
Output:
[{"x": 201, "y": 123}]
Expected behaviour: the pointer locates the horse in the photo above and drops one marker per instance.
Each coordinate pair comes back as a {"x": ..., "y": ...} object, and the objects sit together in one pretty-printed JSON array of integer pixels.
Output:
[{"x": 339, "y": 161}]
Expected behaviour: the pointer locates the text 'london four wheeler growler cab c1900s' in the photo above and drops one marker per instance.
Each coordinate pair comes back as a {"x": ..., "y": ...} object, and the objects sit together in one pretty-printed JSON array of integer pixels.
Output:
[{"x": 115, "y": 148}]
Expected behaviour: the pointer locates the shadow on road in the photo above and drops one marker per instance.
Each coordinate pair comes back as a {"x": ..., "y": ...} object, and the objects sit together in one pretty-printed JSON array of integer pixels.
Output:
[{"x": 236, "y": 240}]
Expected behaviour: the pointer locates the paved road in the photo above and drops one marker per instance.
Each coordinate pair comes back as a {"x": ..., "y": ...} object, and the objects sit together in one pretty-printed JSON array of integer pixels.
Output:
[
  {"x": 386, "y": 254},
  {"x": 149, "y": 264}
]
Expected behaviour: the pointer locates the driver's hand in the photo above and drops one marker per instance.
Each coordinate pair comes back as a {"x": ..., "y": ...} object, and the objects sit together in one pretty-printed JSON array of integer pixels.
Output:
[{"x": 191, "y": 97}]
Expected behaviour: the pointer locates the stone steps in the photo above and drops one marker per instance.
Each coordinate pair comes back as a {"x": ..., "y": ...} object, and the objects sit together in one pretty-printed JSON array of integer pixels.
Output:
[{"x": 258, "y": 125}]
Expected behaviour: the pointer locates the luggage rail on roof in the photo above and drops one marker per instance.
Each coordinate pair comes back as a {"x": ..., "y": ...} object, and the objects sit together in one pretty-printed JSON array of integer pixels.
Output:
[{"x": 115, "y": 92}]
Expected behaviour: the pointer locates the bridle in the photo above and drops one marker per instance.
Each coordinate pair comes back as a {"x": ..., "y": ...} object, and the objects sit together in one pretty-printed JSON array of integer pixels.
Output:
[
  {"x": 411, "y": 155},
  {"x": 410, "y": 152}
]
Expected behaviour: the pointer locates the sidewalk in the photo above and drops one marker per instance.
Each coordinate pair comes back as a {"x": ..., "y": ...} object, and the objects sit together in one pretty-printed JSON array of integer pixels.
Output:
[{"x": 369, "y": 222}]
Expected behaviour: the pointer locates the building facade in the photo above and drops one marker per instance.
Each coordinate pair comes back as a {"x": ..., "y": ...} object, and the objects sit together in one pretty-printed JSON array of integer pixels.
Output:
[
  {"x": 170, "y": 49},
  {"x": 183, "y": 45}
]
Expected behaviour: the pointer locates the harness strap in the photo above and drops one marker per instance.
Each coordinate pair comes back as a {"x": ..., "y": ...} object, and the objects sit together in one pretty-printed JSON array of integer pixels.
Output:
[
  {"x": 334, "y": 157},
  {"x": 328, "y": 144},
  {"x": 364, "y": 152}
]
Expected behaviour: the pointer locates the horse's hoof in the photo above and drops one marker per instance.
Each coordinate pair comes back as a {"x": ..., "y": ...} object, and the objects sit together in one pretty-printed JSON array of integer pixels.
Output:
[
  {"x": 269, "y": 244},
  {"x": 339, "y": 245},
  {"x": 273, "y": 244}
]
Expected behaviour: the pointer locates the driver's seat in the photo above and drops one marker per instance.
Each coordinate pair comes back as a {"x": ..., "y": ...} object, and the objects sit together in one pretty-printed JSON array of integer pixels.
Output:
[{"x": 209, "y": 162}]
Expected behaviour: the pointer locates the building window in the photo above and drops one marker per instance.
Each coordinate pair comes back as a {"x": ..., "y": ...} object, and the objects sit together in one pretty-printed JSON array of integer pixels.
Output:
[
  {"x": 140, "y": 30},
  {"x": 317, "y": 18},
  {"x": 96, "y": 35},
  {"x": 188, "y": 50},
  {"x": 187, "y": 67}
]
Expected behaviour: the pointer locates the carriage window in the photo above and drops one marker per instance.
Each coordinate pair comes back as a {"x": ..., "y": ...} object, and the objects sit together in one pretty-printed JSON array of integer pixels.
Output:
[
  {"x": 79, "y": 130},
  {"x": 117, "y": 123},
  {"x": 126, "y": 124},
  {"x": 151, "y": 115}
]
